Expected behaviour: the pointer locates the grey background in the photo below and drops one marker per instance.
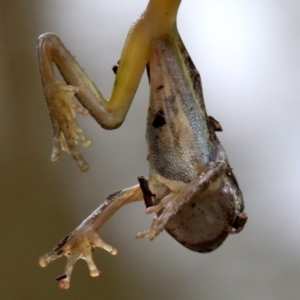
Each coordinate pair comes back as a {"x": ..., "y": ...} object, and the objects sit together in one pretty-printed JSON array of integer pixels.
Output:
[{"x": 248, "y": 56}]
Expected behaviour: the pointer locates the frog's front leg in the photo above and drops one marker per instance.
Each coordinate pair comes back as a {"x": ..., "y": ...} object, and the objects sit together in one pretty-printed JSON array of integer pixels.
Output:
[
  {"x": 179, "y": 194},
  {"x": 81, "y": 242},
  {"x": 157, "y": 21}
]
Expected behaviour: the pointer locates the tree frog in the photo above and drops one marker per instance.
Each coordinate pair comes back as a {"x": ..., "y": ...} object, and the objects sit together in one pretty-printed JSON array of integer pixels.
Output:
[{"x": 191, "y": 187}]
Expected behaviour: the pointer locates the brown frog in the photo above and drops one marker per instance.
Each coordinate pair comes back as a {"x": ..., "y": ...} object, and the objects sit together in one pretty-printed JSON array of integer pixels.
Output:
[{"x": 191, "y": 186}]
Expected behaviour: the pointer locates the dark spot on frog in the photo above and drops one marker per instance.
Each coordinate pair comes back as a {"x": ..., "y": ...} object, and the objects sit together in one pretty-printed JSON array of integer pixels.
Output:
[
  {"x": 215, "y": 124},
  {"x": 159, "y": 120},
  {"x": 116, "y": 67},
  {"x": 147, "y": 194},
  {"x": 59, "y": 278},
  {"x": 160, "y": 87},
  {"x": 61, "y": 243},
  {"x": 113, "y": 195},
  {"x": 192, "y": 204}
]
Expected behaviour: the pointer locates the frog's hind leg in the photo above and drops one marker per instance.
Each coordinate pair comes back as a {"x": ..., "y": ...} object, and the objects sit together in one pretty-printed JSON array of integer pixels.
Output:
[
  {"x": 60, "y": 96},
  {"x": 81, "y": 242},
  {"x": 180, "y": 193}
]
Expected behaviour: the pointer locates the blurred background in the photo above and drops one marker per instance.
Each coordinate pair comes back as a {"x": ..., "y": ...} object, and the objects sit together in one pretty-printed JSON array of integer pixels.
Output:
[{"x": 248, "y": 53}]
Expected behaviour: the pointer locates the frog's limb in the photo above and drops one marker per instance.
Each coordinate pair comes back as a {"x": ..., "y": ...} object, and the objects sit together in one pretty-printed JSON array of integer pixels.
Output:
[
  {"x": 81, "y": 242},
  {"x": 180, "y": 193},
  {"x": 157, "y": 20}
]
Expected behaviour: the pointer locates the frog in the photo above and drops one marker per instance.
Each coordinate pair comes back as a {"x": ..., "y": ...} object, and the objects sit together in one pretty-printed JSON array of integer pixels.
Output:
[{"x": 191, "y": 188}]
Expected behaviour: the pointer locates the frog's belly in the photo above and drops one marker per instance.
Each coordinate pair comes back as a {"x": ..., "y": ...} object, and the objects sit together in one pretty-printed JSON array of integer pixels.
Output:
[{"x": 203, "y": 223}]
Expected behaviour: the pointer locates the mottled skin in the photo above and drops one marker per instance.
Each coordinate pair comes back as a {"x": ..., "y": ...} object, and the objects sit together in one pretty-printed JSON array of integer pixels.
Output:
[
  {"x": 190, "y": 187},
  {"x": 183, "y": 144}
]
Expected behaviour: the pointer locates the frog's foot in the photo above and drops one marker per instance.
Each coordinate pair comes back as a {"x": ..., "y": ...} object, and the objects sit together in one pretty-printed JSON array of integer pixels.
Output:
[
  {"x": 66, "y": 131},
  {"x": 79, "y": 244}
]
